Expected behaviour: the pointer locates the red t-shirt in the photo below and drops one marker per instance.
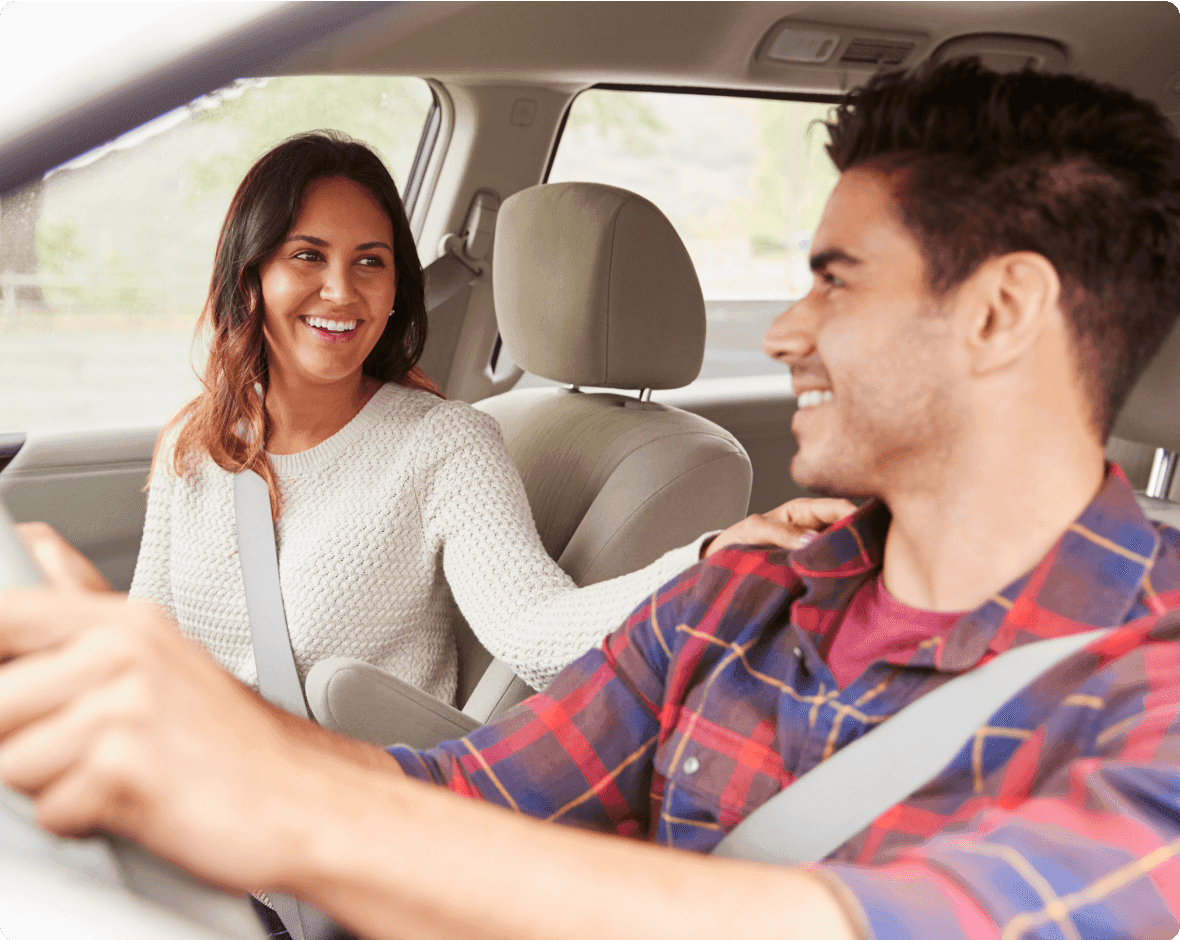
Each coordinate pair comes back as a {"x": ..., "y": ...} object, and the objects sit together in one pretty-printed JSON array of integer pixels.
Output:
[{"x": 875, "y": 625}]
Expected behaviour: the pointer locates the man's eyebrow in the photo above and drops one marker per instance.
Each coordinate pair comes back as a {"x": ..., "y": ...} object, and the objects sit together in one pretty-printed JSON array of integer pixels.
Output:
[
  {"x": 319, "y": 242},
  {"x": 831, "y": 256}
]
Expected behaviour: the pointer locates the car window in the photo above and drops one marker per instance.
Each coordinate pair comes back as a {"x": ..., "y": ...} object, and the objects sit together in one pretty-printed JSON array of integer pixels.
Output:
[
  {"x": 743, "y": 180},
  {"x": 104, "y": 263}
]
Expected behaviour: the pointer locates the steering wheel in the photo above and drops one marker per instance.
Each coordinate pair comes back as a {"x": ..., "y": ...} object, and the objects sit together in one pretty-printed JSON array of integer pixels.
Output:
[{"x": 102, "y": 888}]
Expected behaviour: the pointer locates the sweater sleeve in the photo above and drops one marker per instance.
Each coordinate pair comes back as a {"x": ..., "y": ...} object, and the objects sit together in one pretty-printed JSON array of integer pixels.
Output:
[
  {"x": 523, "y": 608},
  {"x": 152, "y": 579}
]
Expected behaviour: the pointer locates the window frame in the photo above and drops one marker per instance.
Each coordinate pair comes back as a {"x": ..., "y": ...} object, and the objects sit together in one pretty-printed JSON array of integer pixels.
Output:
[{"x": 704, "y": 91}]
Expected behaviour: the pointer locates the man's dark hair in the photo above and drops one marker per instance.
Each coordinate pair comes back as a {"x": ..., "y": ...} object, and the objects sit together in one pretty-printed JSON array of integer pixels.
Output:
[{"x": 1082, "y": 173}]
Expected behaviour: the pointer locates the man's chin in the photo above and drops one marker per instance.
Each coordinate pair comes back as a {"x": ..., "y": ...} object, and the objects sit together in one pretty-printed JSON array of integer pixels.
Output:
[{"x": 829, "y": 480}]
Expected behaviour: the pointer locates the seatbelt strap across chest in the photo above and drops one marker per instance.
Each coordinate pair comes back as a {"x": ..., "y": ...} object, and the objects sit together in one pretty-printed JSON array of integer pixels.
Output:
[
  {"x": 278, "y": 677},
  {"x": 835, "y": 800}
]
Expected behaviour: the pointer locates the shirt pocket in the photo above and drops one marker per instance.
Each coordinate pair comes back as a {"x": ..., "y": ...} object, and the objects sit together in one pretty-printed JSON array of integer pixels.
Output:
[{"x": 732, "y": 772}]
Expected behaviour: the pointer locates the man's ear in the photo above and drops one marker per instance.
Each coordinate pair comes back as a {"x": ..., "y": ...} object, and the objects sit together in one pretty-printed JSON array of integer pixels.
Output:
[{"x": 1012, "y": 299}]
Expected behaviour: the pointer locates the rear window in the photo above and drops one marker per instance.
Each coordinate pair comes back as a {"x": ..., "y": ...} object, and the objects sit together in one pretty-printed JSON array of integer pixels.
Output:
[
  {"x": 743, "y": 180},
  {"x": 104, "y": 264}
]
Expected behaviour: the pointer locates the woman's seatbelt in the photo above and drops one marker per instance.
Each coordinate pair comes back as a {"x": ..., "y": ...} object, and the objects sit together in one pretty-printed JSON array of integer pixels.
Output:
[
  {"x": 835, "y": 800},
  {"x": 278, "y": 677}
]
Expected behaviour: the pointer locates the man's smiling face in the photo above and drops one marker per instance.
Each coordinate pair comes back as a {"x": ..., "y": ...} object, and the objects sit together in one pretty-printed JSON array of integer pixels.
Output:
[{"x": 872, "y": 352}]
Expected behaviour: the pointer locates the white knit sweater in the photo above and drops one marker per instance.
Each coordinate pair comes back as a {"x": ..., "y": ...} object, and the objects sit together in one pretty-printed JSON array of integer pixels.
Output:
[{"x": 411, "y": 502}]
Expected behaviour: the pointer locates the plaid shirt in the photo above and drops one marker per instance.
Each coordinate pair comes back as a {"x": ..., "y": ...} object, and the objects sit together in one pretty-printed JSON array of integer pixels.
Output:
[{"x": 1060, "y": 818}]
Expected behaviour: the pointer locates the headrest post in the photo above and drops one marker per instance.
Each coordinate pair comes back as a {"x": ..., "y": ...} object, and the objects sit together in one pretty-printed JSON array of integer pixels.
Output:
[
  {"x": 645, "y": 394},
  {"x": 1163, "y": 468}
]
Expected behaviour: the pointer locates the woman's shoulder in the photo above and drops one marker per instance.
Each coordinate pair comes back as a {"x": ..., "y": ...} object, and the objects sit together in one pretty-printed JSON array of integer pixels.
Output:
[
  {"x": 194, "y": 464},
  {"x": 429, "y": 412}
]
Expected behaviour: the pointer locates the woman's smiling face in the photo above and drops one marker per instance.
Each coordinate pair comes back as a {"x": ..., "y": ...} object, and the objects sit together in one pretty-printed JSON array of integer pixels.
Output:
[{"x": 328, "y": 289}]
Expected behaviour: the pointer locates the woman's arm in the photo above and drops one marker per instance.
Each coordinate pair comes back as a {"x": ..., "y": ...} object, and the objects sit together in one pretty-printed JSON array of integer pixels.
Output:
[{"x": 521, "y": 606}]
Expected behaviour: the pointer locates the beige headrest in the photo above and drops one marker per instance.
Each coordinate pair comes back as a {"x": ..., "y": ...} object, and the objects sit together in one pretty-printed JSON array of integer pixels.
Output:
[
  {"x": 1152, "y": 412},
  {"x": 594, "y": 287}
]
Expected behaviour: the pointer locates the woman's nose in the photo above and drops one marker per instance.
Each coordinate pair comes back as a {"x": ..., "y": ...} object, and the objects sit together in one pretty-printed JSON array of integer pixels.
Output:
[
  {"x": 791, "y": 336},
  {"x": 338, "y": 286}
]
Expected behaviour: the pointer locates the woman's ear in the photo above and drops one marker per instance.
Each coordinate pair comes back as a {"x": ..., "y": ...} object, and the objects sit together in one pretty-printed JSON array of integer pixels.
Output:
[{"x": 1012, "y": 299}]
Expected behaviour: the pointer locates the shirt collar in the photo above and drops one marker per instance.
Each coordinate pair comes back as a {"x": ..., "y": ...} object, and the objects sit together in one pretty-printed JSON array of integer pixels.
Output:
[{"x": 1090, "y": 578}]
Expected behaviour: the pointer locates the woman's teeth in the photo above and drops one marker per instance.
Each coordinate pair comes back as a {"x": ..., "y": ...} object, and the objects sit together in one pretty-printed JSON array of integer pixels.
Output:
[
  {"x": 813, "y": 398},
  {"x": 332, "y": 326}
]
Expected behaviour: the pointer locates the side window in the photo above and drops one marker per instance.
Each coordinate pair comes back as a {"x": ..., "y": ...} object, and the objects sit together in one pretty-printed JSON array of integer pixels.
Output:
[
  {"x": 104, "y": 263},
  {"x": 743, "y": 180}
]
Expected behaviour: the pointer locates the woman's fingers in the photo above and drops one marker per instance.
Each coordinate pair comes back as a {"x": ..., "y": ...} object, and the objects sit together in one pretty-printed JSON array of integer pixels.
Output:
[
  {"x": 812, "y": 513},
  {"x": 63, "y": 565},
  {"x": 791, "y": 525}
]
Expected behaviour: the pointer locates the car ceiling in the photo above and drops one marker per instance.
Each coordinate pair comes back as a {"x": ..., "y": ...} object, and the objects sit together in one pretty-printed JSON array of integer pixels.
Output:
[
  {"x": 1136, "y": 44},
  {"x": 572, "y": 45}
]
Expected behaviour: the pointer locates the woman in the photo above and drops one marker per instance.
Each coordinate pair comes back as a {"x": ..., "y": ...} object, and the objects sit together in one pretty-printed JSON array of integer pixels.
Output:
[{"x": 387, "y": 499}]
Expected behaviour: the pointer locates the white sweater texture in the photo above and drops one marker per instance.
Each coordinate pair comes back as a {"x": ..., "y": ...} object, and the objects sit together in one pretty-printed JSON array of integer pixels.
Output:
[{"x": 412, "y": 506}]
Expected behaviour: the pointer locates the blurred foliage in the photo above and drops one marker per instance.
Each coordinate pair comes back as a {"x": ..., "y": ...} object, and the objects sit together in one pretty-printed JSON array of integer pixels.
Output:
[
  {"x": 60, "y": 249},
  {"x": 792, "y": 175},
  {"x": 59, "y": 246},
  {"x": 259, "y": 113},
  {"x": 626, "y": 118}
]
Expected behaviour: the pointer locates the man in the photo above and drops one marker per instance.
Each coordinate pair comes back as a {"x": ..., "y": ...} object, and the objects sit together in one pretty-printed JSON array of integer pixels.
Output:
[{"x": 996, "y": 264}]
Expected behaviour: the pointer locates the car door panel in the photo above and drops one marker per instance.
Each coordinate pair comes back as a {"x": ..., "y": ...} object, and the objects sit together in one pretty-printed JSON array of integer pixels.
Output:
[{"x": 88, "y": 485}]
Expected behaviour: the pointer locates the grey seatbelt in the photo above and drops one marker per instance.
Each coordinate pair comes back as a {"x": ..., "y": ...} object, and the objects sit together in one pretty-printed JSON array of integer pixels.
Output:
[
  {"x": 835, "y": 800},
  {"x": 278, "y": 678},
  {"x": 444, "y": 277}
]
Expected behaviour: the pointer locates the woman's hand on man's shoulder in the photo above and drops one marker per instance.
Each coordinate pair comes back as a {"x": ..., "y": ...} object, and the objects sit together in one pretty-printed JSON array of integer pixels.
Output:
[{"x": 791, "y": 525}]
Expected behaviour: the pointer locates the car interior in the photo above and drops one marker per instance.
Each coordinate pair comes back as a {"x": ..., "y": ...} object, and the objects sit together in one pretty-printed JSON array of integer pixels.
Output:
[{"x": 578, "y": 318}]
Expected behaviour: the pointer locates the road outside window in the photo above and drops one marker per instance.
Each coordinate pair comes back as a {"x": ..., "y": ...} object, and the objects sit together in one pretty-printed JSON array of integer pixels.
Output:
[
  {"x": 743, "y": 180},
  {"x": 104, "y": 264}
]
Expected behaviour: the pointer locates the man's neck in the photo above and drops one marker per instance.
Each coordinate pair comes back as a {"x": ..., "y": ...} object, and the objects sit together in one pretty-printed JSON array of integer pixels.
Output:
[
  {"x": 954, "y": 542},
  {"x": 304, "y": 414}
]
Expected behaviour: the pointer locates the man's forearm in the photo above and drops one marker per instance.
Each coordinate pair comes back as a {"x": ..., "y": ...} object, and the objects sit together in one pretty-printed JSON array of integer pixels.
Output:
[{"x": 393, "y": 857}]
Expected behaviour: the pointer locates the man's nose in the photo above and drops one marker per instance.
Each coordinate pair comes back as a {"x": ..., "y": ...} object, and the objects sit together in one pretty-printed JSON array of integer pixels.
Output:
[
  {"x": 338, "y": 286},
  {"x": 791, "y": 336}
]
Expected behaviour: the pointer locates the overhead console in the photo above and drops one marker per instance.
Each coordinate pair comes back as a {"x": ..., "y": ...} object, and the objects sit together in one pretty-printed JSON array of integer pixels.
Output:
[
  {"x": 832, "y": 57},
  {"x": 829, "y": 56}
]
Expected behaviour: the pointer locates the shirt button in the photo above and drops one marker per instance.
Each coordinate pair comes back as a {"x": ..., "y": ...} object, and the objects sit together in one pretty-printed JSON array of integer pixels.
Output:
[
  {"x": 691, "y": 765},
  {"x": 798, "y": 652}
]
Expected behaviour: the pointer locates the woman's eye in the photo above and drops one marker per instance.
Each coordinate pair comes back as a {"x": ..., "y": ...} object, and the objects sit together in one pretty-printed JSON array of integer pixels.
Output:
[
  {"x": 372, "y": 261},
  {"x": 307, "y": 255}
]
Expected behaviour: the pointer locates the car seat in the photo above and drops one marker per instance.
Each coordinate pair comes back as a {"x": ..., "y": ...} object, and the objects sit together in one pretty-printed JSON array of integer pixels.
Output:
[{"x": 593, "y": 288}]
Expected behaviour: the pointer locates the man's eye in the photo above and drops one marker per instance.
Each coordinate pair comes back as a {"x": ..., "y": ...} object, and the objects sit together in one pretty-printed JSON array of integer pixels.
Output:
[{"x": 830, "y": 280}]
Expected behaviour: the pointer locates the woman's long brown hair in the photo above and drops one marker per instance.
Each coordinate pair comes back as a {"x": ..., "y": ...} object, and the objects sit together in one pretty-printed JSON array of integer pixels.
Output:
[{"x": 228, "y": 419}]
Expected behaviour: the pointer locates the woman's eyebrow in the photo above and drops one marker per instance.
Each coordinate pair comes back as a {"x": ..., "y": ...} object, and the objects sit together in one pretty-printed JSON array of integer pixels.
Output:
[{"x": 320, "y": 243}]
